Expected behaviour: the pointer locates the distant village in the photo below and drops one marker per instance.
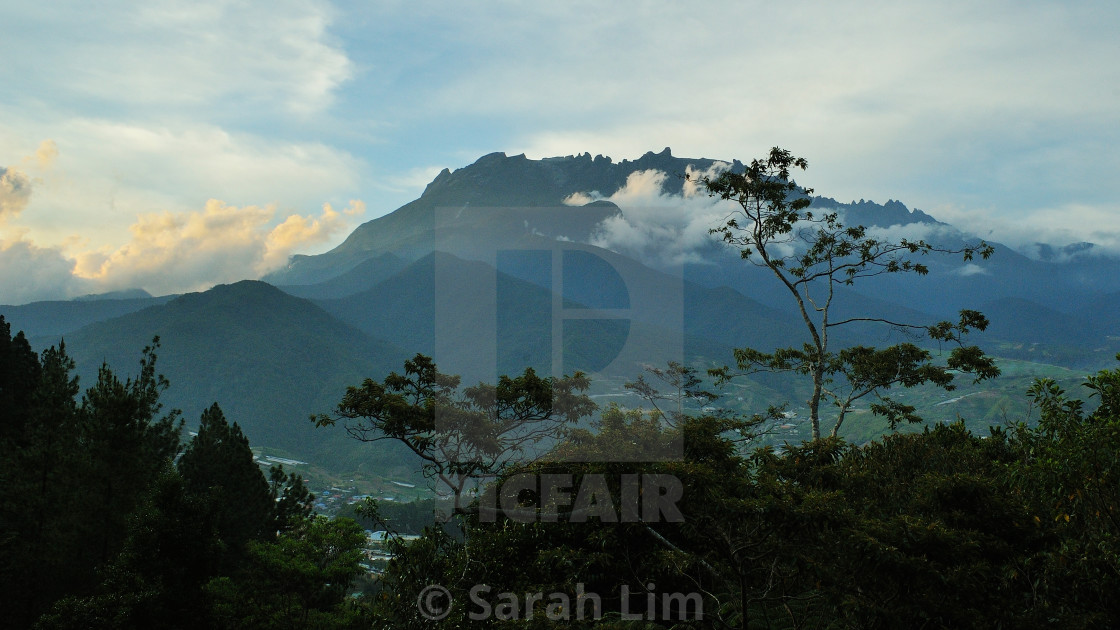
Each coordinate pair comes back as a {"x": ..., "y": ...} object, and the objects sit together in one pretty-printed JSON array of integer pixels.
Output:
[{"x": 330, "y": 499}]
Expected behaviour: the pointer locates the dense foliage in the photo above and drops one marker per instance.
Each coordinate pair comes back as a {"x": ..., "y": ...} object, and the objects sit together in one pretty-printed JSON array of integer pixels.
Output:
[
  {"x": 1015, "y": 529},
  {"x": 106, "y": 521}
]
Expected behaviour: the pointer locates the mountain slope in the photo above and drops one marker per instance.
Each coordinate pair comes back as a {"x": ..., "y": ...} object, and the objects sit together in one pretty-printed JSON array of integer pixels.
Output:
[
  {"x": 269, "y": 359},
  {"x": 364, "y": 276},
  {"x": 59, "y": 317}
]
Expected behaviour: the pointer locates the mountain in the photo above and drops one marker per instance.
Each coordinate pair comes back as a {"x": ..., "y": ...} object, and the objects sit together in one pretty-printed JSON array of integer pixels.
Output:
[
  {"x": 865, "y": 212},
  {"x": 268, "y": 358},
  {"x": 494, "y": 181},
  {"x": 479, "y": 321},
  {"x": 1102, "y": 314},
  {"x": 503, "y": 201},
  {"x": 126, "y": 294},
  {"x": 364, "y": 276},
  {"x": 59, "y": 317}
]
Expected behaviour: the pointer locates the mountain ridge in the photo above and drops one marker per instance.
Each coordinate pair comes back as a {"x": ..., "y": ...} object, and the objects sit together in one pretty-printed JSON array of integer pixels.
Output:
[
  {"x": 497, "y": 180},
  {"x": 268, "y": 358}
]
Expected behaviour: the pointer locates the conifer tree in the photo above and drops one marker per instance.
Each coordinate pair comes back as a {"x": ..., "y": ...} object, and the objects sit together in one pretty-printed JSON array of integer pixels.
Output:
[{"x": 218, "y": 467}]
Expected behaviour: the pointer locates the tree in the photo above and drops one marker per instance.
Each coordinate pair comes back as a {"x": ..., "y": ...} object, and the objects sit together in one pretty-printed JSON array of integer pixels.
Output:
[
  {"x": 293, "y": 499},
  {"x": 125, "y": 445},
  {"x": 298, "y": 580},
  {"x": 218, "y": 468},
  {"x": 815, "y": 255},
  {"x": 1068, "y": 473},
  {"x": 71, "y": 475},
  {"x": 465, "y": 435},
  {"x": 169, "y": 553},
  {"x": 41, "y": 475},
  {"x": 25, "y": 465},
  {"x": 203, "y": 520},
  {"x": 19, "y": 374},
  {"x": 684, "y": 391}
]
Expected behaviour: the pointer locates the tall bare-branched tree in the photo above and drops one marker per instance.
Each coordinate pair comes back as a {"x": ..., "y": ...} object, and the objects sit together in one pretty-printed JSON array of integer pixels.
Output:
[{"x": 813, "y": 255}]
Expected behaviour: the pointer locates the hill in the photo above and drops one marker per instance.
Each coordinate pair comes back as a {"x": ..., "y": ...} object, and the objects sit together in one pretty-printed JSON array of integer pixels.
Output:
[
  {"x": 58, "y": 317},
  {"x": 268, "y": 358}
]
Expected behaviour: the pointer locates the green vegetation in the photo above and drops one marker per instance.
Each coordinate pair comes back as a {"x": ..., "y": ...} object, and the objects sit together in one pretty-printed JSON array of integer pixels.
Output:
[
  {"x": 106, "y": 521},
  {"x": 461, "y": 437},
  {"x": 815, "y": 257},
  {"x": 939, "y": 528}
]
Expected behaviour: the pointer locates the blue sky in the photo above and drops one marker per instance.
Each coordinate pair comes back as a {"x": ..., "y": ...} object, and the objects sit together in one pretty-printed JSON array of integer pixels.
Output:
[{"x": 172, "y": 145}]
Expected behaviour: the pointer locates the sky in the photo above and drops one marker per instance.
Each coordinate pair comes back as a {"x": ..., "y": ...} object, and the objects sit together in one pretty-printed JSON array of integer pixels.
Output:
[{"x": 172, "y": 145}]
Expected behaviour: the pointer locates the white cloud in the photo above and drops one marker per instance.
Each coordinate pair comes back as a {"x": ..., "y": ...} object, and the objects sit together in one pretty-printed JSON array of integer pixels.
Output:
[
  {"x": 673, "y": 229},
  {"x": 971, "y": 269},
  {"x": 581, "y": 198},
  {"x": 929, "y": 232},
  {"x": 29, "y": 273},
  {"x": 175, "y": 252},
  {"x": 661, "y": 229},
  {"x": 1057, "y": 226}
]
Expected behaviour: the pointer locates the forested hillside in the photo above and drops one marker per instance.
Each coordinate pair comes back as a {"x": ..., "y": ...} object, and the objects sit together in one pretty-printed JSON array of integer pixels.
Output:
[{"x": 109, "y": 520}]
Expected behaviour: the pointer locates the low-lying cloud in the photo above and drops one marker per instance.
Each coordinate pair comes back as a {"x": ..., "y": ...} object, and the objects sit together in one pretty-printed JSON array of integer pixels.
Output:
[
  {"x": 175, "y": 252},
  {"x": 660, "y": 229},
  {"x": 1049, "y": 230},
  {"x": 673, "y": 229},
  {"x": 29, "y": 273},
  {"x": 971, "y": 269}
]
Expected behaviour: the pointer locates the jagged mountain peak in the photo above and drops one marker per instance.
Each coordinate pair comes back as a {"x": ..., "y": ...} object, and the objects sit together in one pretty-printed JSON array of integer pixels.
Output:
[
  {"x": 1057, "y": 253},
  {"x": 498, "y": 178},
  {"x": 864, "y": 212}
]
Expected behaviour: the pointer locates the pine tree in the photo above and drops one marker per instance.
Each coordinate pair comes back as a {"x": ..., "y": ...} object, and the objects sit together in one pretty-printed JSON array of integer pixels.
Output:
[{"x": 218, "y": 467}]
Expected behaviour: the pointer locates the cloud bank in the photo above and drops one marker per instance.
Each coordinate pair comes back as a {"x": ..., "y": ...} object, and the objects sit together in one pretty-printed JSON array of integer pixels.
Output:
[
  {"x": 657, "y": 228},
  {"x": 189, "y": 251},
  {"x": 673, "y": 229},
  {"x": 168, "y": 252},
  {"x": 29, "y": 273}
]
